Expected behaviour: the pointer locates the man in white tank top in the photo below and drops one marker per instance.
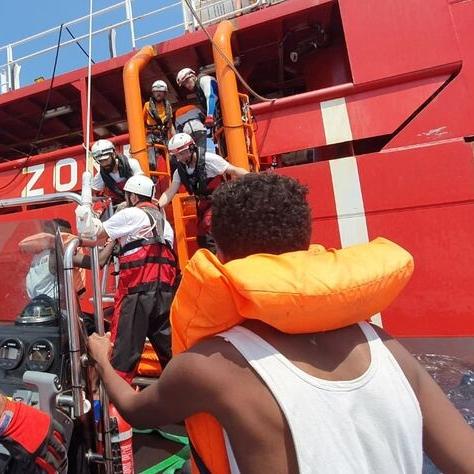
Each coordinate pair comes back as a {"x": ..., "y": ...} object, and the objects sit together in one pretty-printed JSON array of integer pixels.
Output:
[{"x": 346, "y": 401}]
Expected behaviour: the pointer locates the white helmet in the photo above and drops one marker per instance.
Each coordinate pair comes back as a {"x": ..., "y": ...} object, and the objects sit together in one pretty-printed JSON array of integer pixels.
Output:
[
  {"x": 101, "y": 149},
  {"x": 159, "y": 86},
  {"x": 183, "y": 75},
  {"x": 179, "y": 142},
  {"x": 140, "y": 184}
]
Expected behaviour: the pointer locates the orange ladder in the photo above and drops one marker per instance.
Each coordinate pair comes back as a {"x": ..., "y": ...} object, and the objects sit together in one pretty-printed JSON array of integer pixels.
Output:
[{"x": 184, "y": 210}]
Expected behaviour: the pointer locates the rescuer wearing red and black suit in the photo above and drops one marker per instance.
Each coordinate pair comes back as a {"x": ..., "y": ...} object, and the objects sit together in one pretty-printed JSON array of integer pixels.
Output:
[
  {"x": 201, "y": 174},
  {"x": 147, "y": 274},
  {"x": 30, "y": 441}
]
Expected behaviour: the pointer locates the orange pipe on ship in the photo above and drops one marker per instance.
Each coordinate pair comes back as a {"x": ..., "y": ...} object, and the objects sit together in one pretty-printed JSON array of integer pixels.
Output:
[
  {"x": 229, "y": 97},
  {"x": 133, "y": 104}
]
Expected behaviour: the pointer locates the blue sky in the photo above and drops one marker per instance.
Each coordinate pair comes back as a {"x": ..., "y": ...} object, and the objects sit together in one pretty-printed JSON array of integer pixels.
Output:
[{"x": 22, "y": 18}]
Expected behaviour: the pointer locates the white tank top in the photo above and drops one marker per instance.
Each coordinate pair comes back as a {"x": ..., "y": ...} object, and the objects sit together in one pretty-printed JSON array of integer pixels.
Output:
[{"x": 371, "y": 424}]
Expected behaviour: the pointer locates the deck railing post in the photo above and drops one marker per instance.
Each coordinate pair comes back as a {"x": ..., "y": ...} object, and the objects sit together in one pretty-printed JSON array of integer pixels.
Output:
[
  {"x": 9, "y": 67},
  {"x": 129, "y": 12}
]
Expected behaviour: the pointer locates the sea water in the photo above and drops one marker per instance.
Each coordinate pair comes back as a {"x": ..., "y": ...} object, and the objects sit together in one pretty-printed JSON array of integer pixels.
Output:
[{"x": 456, "y": 377}]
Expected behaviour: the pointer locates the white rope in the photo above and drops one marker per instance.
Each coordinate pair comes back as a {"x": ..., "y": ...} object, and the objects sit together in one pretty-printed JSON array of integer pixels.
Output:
[{"x": 89, "y": 161}]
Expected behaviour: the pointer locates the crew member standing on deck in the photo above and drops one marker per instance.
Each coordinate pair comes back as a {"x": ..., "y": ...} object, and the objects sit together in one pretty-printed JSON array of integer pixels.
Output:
[
  {"x": 158, "y": 117},
  {"x": 206, "y": 90}
]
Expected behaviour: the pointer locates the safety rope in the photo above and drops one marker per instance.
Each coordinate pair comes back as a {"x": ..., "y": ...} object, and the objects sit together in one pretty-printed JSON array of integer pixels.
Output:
[
  {"x": 226, "y": 59},
  {"x": 78, "y": 44}
]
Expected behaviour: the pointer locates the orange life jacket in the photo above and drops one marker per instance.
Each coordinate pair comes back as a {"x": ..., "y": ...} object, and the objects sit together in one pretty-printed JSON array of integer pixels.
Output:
[
  {"x": 297, "y": 292},
  {"x": 149, "y": 364}
]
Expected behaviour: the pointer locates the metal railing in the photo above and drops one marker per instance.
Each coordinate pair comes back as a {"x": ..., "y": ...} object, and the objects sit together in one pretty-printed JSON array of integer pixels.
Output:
[
  {"x": 213, "y": 11},
  {"x": 173, "y": 16}
]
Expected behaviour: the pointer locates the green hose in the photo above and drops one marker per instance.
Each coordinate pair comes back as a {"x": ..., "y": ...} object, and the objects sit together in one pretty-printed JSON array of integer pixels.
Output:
[{"x": 174, "y": 462}]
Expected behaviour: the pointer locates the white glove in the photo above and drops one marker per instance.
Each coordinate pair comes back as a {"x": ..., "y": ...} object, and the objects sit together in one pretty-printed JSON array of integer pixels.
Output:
[
  {"x": 83, "y": 219},
  {"x": 97, "y": 223},
  {"x": 88, "y": 226}
]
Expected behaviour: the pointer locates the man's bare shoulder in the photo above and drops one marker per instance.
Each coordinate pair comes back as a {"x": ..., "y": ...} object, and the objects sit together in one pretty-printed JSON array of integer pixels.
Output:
[
  {"x": 207, "y": 356},
  {"x": 409, "y": 365},
  {"x": 204, "y": 369}
]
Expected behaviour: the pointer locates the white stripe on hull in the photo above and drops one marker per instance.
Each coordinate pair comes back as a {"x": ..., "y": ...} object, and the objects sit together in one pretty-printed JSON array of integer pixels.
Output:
[
  {"x": 349, "y": 203},
  {"x": 337, "y": 127},
  {"x": 350, "y": 209}
]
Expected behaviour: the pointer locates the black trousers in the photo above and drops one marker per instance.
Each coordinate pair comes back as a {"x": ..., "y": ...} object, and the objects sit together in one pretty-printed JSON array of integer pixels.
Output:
[{"x": 142, "y": 314}]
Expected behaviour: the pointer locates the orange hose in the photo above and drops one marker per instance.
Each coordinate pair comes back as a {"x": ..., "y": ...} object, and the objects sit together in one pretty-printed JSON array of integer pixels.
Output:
[
  {"x": 229, "y": 97},
  {"x": 133, "y": 104}
]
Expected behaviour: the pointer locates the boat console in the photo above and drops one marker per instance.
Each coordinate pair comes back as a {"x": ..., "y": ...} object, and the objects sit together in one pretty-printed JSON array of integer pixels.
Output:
[{"x": 37, "y": 349}]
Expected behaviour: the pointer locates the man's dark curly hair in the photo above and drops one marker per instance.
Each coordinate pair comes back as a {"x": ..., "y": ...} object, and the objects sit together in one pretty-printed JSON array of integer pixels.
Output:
[{"x": 260, "y": 213}]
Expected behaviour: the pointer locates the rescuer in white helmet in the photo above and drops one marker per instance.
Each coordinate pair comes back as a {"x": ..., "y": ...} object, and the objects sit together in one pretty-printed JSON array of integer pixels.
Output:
[
  {"x": 115, "y": 169},
  {"x": 206, "y": 90},
  {"x": 200, "y": 173},
  {"x": 158, "y": 117},
  {"x": 148, "y": 270}
]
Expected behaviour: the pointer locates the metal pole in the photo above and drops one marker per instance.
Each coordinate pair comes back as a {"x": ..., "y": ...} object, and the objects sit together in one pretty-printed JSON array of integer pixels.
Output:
[
  {"x": 187, "y": 17},
  {"x": 199, "y": 13},
  {"x": 104, "y": 401},
  {"x": 97, "y": 293},
  {"x": 9, "y": 67},
  {"x": 99, "y": 327},
  {"x": 73, "y": 328},
  {"x": 45, "y": 198},
  {"x": 129, "y": 12},
  {"x": 89, "y": 162}
]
